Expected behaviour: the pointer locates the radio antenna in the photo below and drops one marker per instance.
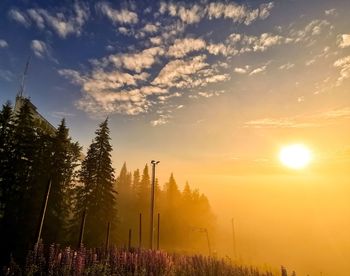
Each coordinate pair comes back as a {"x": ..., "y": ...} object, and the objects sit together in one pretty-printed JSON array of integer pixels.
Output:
[{"x": 24, "y": 76}]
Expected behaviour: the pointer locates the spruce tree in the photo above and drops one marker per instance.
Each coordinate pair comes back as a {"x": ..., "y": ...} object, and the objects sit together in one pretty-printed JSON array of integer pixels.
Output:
[
  {"x": 63, "y": 161},
  {"x": 18, "y": 224},
  {"x": 97, "y": 194},
  {"x": 6, "y": 133}
]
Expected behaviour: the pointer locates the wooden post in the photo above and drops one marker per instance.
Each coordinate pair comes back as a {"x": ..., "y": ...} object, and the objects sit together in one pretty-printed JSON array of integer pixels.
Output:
[
  {"x": 43, "y": 212},
  {"x": 140, "y": 231},
  {"x": 234, "y": 241},
  {"x": 129, "y": 240},
  {"x": 82, "y": 229},
  {"x": 107, "y": 236},
  {"x": 207, "y": 234},
  {"x": 151, "y": 230},
  {"x": 158, "y": 231}
]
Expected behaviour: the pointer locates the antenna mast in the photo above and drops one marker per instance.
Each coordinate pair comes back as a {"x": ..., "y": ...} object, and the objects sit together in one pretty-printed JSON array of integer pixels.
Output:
[{"x": 24, "y": 76}]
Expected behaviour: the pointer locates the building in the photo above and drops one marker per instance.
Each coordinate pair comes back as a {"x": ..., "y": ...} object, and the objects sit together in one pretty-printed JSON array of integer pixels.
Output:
[{"x": 38, "y": 118}]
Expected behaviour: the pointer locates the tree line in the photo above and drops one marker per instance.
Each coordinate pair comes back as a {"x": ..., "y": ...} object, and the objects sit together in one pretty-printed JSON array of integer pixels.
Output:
[{"x": 31, "y": 157}]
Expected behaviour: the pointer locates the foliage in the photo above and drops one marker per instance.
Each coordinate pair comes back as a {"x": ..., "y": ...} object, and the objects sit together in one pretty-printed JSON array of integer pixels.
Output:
[
  {"x": 122, "y": 262},
  {"x": 184, "y": 214},
  {"x": 96, "y": 193},
  {"x": 29, "y": 157}
]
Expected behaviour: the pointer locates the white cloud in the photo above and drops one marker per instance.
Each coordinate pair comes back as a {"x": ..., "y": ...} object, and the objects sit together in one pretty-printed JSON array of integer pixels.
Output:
[
  {"x": 3, "y": 43},
  {"x": 37, "y": 18},
  {"x": 182, "y": 47},
  {"x": 64, "y": 23},
  {"x": 177, "y": 71},
  {"x": 156, "y": 40},
  {"x": 279, "y": 123},
  {"x": 150, "y": 28},
  {"x": 239, "y": 70},
  {"x": 162, "y": 120},
  {"x": 340, "y": 113},
  {"x": 39, "y": 48},
  {"x": 187, "y": 15},
  {"x": 6, "y": 75},
  {"x": 192, "y": 15},
  {"x": 246, "y": 43},
  {"x": 137, "y": 61},
  {"x": 332, "y": 12},
  {"x": 122, "y": 16},
  {"x": 265, "y": 10},
  {"x": 19, "y": 16},
  {"x": 258, "y": 70},
  {"x": 311, "y": 30},
  {"x": 343, "y": 40},
  {"x": 221, "y": 48},
  {"x": 239, "y": 13},
  {"x": 113, "y": 91},
  {"x": 287, "y": 66},
  {"x": 344, "y": 65}
]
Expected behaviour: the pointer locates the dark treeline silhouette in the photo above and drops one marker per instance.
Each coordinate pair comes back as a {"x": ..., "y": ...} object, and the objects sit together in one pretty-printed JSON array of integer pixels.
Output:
[
  {"x": 32, "y": 155},
  {"x": 185, "y": 214}
]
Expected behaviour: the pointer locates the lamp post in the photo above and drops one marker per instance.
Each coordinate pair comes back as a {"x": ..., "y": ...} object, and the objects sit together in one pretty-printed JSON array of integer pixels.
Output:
[{"x": 154, "y": 163}]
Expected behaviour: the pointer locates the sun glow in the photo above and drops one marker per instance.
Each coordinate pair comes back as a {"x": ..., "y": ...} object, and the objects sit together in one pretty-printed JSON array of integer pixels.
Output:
[{"x": 295, "y": 156}]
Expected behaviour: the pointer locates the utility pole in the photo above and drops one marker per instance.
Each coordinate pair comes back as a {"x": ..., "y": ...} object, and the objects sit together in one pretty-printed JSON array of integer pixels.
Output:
[
  {"x": 82, "y": 229},
  {"x": 107, "y": 236},
  {"x": 129, "y": 240},
  {"x": 158, "y": 231},
  {"x": 209, "y": 247},
  {"x": 43, "y": 212},
  {"x": 234, "y": 246},
  {"x": 140, "y": 231},
  {"x": 154, "y": 163}
]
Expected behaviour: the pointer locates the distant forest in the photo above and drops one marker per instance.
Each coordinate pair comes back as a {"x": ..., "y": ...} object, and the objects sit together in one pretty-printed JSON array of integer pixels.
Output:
[{"x": 31, "y": 157}]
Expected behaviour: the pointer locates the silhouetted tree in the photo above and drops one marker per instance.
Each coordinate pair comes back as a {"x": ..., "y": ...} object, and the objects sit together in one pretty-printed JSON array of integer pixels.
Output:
[
  {"x": 63, "y": 161},
  {"x": 96, "y": 193}
]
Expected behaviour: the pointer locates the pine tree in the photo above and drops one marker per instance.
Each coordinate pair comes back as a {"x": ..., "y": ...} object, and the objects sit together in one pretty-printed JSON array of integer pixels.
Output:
[
  {"x": 124, "y": 200},
  {"x": 63, "y": 161},
  {"x": 19, "y": 221},
  {"x": 97, "y": 194},
  {"x": 6, "y": 133}
]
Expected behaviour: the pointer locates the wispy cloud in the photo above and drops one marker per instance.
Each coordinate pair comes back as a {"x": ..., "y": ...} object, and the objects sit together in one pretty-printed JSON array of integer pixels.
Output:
[
  {"x": 343, "y": 40},
  {"x": 122, "y": 16},
  {"x": 162, "y": 120},
  {"x": 63, "y": 23},
  {"x": 344, "y": 65},
  {"x": 258, "y": 70},
  {"x": 39, "y": 48},
  {"x": 332, "y": 12},
  {"x": 19, "y": 17},
  {"x": 6, "y": 75},
  {"x": 318, "y": 119},
  {"x": 182, "y": 47},
  {"x": 3, "y": 43}
]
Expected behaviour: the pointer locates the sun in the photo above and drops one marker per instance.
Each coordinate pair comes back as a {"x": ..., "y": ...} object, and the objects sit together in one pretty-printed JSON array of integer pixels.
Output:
[{"x": 296, "y": 156}]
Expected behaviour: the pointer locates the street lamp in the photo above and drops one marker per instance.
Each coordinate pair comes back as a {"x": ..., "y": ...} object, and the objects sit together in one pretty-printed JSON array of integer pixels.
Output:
[
  {"x": 154, "y": 163},
  {"x": 205, "y": 231}
]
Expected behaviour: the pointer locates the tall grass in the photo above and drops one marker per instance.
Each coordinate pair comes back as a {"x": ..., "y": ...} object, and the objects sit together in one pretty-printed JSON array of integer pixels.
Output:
[{"x": 120, "y": 261}]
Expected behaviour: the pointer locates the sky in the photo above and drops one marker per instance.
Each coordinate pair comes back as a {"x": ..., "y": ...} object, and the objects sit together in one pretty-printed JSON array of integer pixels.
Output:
[{"x": 213, "y": 90}]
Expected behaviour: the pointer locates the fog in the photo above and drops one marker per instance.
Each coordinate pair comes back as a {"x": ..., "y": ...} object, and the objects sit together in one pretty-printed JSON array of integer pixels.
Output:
[{"x": 299, "y": 221}]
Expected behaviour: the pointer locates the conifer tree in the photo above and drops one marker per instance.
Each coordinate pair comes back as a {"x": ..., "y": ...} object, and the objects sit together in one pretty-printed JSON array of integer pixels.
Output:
[
  {"x": 97, "y": 194},
  {"x": 63, "y": 161},
  {"x": 18, "y": 224},
  {"x": 124, "y": 200},
  {"x": 6, "y": 133}
]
